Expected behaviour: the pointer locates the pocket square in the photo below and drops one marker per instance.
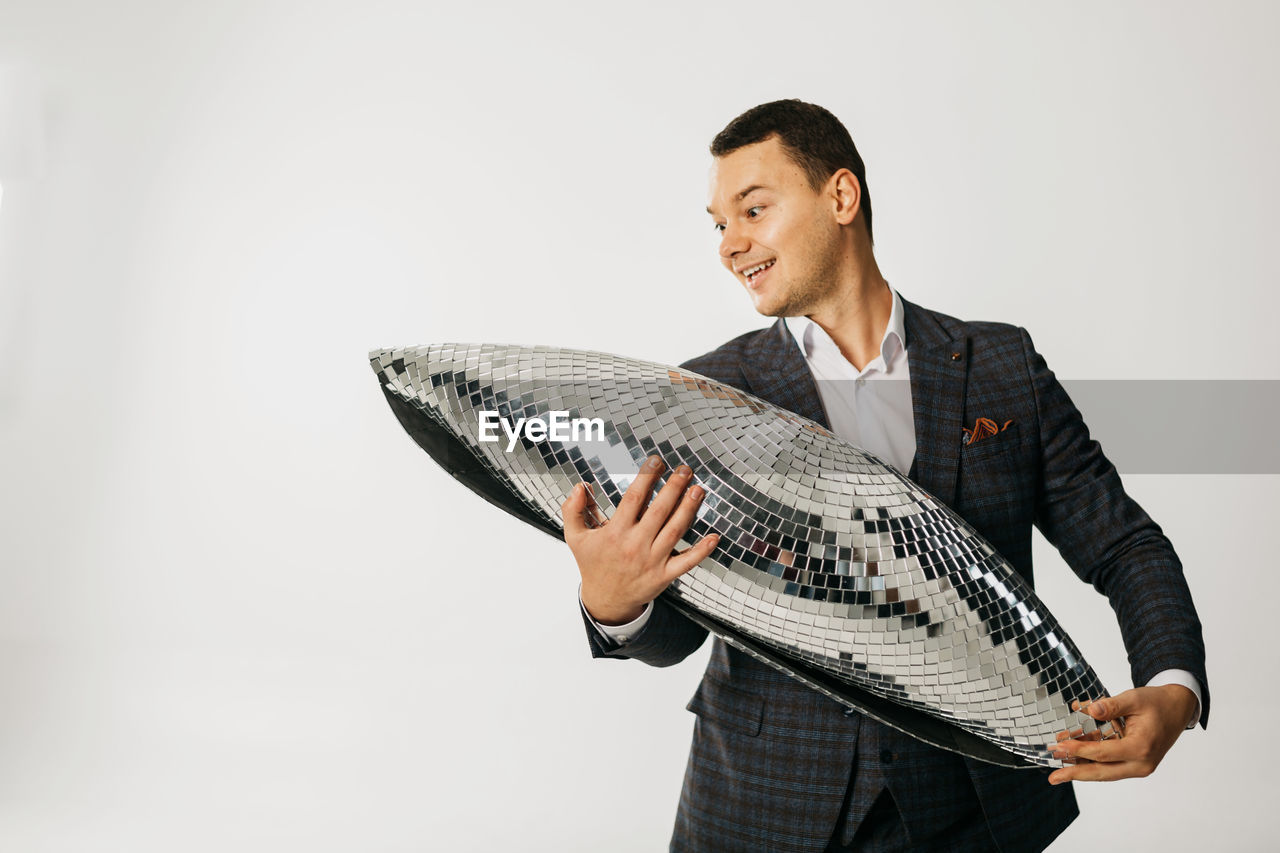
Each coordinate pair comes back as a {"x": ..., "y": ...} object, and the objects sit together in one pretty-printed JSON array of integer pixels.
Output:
[{"x": 982, "y": 428}]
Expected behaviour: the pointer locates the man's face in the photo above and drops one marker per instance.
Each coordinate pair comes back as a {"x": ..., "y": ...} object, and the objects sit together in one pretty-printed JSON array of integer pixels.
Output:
[{"x": 778, "y": 236}]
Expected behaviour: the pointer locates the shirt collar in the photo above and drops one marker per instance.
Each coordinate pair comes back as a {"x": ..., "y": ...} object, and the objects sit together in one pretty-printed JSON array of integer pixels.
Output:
[{"x": 807, "y": 333}]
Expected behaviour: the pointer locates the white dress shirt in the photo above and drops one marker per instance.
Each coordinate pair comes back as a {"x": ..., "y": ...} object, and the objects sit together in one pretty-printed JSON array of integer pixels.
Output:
[{"x": 871, "y": 409}]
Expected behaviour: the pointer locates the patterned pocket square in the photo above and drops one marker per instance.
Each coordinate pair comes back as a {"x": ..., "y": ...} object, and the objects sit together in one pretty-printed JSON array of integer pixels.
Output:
[{"x": 982, "y": 428}]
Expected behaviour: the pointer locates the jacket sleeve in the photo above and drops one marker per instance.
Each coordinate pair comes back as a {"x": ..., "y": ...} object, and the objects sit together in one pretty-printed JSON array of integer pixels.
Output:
[
  {"x": 1109, "y": 540},
  {"x": 666, "y": 639}
]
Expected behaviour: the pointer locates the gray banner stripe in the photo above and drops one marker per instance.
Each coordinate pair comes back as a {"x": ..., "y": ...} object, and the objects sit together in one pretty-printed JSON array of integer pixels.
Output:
[
  {"x": 1183, "y": 426},
  {"x": 1161, "y": 426}
]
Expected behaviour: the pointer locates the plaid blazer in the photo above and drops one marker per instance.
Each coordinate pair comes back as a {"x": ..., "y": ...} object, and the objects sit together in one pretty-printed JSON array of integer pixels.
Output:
[{"x": 771, "y": 759}]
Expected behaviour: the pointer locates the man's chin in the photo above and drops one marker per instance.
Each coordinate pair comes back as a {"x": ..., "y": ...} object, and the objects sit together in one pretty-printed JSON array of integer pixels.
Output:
[{"x": 766, "y": 309}]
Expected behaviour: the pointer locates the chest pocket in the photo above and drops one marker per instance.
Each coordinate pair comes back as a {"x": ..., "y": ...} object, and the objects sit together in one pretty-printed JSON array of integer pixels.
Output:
[{"x": 997, "y": 479}]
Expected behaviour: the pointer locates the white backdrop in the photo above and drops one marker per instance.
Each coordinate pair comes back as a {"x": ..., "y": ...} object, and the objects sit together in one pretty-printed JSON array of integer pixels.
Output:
[{"x": 240, "y": 607}]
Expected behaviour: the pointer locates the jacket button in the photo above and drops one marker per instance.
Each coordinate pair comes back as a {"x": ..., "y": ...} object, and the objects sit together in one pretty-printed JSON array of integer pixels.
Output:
[
  {"x": 886, "y": 756},
  {"x": 955, "y": 356}
]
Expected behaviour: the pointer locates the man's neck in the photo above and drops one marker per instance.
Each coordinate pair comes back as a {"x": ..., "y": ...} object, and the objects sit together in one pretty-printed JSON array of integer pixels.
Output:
[{"x": 857, "y": 317}]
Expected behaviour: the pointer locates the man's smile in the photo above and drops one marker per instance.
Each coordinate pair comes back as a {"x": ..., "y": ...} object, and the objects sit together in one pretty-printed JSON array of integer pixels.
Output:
[{"x": 753, "y": 273}]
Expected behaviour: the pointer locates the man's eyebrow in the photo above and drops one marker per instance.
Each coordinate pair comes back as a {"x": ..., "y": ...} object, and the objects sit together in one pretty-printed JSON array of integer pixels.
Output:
[{"x": 740, "y": 196}]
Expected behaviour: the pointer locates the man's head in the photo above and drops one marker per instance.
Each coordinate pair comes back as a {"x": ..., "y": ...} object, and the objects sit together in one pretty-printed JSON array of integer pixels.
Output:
[
  {"x": 788, "y": 189},
  {"x": 812, "y": 137}
]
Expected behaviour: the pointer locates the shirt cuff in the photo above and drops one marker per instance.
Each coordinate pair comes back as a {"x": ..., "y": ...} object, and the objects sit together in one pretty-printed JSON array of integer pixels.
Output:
[
  {"x": 622, "y": 633},
  {"x": 1186, "y": 679}
]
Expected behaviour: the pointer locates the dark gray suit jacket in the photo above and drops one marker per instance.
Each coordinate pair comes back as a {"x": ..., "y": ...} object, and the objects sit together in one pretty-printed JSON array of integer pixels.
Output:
[{"x": 771, "y": 759}]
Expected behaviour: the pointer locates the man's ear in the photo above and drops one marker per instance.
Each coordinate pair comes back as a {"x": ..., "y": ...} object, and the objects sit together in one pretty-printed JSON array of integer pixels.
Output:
[{"x": 846, "y": 195}]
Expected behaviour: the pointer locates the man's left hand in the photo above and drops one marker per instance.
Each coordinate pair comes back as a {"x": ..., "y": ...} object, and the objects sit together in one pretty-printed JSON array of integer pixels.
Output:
[{"x": 1153, "y": 719}]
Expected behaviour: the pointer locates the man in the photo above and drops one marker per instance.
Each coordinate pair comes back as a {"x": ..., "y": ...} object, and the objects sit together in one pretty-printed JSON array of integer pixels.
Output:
[{"x": 775, "y": 765}]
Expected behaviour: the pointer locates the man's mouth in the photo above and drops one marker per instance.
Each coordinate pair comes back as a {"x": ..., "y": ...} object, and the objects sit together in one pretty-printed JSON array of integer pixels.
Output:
[{"x": 752, "y": 274}]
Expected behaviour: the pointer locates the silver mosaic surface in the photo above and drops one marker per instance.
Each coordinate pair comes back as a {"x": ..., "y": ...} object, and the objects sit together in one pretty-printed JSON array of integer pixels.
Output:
[{"x": 827, "y": 555}]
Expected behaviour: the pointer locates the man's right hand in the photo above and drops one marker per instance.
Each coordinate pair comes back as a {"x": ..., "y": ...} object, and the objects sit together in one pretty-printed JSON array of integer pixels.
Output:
[{"x": 626, "y": 562}]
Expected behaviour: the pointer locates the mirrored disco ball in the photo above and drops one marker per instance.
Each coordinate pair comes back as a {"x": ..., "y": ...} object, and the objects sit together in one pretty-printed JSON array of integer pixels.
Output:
[{"x": 831, "y": 566}]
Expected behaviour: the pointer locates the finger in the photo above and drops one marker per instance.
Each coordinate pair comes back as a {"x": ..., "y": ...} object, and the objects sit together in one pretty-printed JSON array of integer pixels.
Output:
[
  {"x": 691, "y": 556},
  {"x": 633, "y": 502},
  {"x": 1097, "y": 772},
  {"x": 666, "y": 500},
  {"x": 571, "y": 509},
  {"x": 1119, "y": 749},
  {"x": 591, "y": 512},
  {"x": 676, "y": 525}
]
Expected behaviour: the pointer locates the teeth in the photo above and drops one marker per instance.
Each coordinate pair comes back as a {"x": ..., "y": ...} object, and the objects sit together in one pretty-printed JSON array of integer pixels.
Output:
[{"x": 758, "y": 268}]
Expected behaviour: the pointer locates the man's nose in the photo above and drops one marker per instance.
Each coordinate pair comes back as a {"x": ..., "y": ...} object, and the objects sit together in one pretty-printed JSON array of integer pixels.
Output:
[{"x": 732, "y": 242}]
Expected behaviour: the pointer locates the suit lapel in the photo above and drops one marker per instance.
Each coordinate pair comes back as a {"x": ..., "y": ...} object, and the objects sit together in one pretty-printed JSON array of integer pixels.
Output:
[
  {"x": 776, "y": 371},
  {"x": 939, "y": 367}
]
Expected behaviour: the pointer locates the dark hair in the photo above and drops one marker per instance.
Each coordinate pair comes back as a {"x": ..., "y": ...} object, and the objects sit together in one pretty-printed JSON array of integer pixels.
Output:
[{"x": 814, "y": 138}]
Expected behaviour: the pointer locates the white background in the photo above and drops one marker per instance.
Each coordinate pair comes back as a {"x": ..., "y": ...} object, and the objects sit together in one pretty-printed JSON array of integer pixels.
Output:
[{"x": 240, "y": 607}]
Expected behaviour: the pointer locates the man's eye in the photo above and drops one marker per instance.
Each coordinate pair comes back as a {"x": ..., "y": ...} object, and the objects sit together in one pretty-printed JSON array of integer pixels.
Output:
[
  {"x": 755, "y": 211},
  {"x": 719, "y": 228}
]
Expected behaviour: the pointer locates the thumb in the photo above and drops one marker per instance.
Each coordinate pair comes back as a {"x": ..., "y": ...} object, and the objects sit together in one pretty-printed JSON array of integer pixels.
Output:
[{"x": 1109, "y": 708}]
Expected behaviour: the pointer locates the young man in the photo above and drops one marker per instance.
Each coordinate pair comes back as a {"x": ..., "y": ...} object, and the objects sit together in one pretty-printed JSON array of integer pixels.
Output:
[{"x": 775, "y": 765}]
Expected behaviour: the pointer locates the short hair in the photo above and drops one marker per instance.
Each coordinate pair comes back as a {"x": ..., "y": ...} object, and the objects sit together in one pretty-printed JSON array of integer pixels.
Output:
[{"x": 814, "y": 139}]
